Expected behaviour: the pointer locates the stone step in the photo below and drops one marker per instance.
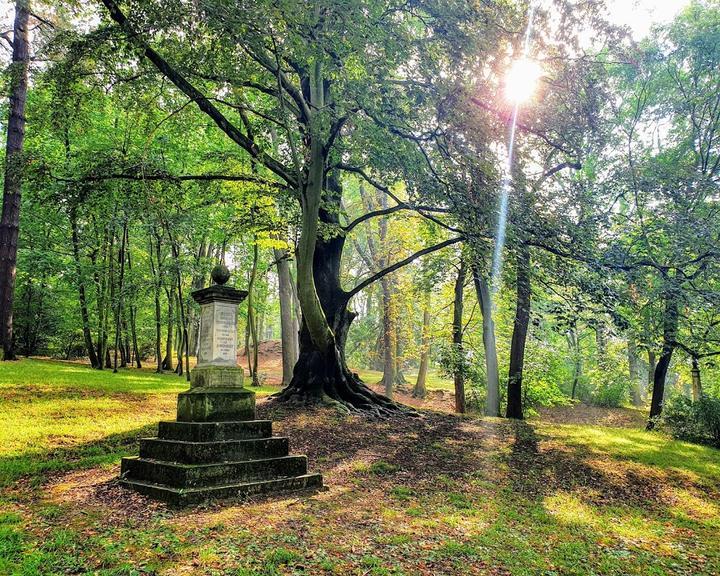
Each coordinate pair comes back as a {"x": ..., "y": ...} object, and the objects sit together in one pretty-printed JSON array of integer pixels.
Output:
[
  {"x": 204, "y": 475},
  {"x": 215, "y": 431},
  {"x": 213, "y": 452},
  {"x": 184, "y": 497}
]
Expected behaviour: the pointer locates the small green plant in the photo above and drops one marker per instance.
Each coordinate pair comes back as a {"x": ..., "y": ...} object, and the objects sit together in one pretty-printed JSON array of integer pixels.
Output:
[
  {"x": 280, "y": 556},
  {"x": 382, "y": 468}
]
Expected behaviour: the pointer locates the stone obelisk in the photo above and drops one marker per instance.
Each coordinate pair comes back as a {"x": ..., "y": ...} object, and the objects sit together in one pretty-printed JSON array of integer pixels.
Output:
[
  {"x": 216, "y": 448},
  {"x": 216, "y": 383}
]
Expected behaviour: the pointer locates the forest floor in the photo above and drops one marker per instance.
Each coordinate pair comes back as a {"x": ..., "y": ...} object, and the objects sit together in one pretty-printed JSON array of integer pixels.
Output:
[{"x": 576, "y": 490}]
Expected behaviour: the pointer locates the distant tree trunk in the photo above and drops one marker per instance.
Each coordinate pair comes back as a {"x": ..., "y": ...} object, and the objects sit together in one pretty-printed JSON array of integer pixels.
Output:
[
  {"x": 389, "y": 335},
  {"x": 670, "y": 325},
  {"x": 118, "y": 300},
  {"x": 108, "y": 301},
  {"x": 399, "y": 376},
  {"x": 697, "y": 391},
  {"x": 288, "y": 333},
  {"x": 652, "y": 364},
  {"x": 168, "y": 360},
  {"x": 601, "y": 344},
  {"x": 420, "y": 390},
  {"x": 634, "y": 370},
  {"x": 482, "y": 290},
  {"x": 87, "y": 334},
  {"x": 252, "y": 318},
  {"x": 519, "y": 336},
  {"x": 10, "y": 219},
  {"x": 574, "y": 345},
  {"x": 457, "y": 337},
  {"x": 198, "y": 282},
  {"x": 155, "y": 269}
]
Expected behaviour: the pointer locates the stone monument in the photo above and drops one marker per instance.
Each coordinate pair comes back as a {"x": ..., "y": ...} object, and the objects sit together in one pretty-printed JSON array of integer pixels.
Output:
[{"x": 216, "y": 448}]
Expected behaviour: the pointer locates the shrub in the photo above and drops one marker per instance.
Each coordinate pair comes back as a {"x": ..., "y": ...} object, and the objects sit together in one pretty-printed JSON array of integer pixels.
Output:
[
  {"x": 610, "y": 394},
  {"x": 694, "y": 421}
]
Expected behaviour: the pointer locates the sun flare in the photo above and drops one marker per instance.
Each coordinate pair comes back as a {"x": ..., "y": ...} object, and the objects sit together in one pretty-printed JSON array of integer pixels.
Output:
[{"x": 521, "y": 80}]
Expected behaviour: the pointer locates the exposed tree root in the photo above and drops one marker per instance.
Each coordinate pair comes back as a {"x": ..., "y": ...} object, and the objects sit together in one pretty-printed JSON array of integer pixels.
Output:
[{"x": 322, "y": 378}]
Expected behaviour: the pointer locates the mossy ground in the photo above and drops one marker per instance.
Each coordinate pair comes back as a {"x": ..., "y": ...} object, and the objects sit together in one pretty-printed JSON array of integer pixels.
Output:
[{"x": 434, "y": 495}]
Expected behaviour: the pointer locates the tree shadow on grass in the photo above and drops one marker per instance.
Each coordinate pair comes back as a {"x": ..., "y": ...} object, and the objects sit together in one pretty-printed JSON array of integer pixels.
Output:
[{"x": 32, "y": 468}]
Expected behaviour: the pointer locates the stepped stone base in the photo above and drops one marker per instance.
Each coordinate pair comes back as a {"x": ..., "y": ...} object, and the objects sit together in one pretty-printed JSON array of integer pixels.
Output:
[
  {"x": 189, "y": 496},
  {"x": 204, "y": 404},
  {"x": 202, "y": 456}
]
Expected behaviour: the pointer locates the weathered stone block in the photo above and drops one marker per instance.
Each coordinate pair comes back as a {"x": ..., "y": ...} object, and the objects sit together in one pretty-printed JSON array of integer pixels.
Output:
[
  {"x": 215, "y": 431},
  {"x": 216, "y": 377},
  {"x": 216, "y": 474},
  {"x": 208, "y": 452},
  {"x": 189, "y": 496},
  {"x": 203, "y": 404}
]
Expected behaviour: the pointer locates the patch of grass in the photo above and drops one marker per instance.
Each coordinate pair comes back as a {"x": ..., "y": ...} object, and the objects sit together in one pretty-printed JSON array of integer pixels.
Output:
[
  {"x": 382, "y": 468},
  {"x": 448, "y": 497},
  {"x": 59, "y": 416}
]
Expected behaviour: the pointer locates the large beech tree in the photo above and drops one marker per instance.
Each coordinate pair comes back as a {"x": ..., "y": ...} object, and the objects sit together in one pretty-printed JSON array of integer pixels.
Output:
[{"x": 350, "y": 89}]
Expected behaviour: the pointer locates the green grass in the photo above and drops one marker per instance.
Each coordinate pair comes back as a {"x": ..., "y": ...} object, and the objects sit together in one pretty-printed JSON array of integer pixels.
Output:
[
  {"x": 60, "y": 415},
  {"x": 432, "y": 495}
]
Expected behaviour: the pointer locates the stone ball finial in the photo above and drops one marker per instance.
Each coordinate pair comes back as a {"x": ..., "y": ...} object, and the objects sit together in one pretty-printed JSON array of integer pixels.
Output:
[{"x": 220, "y": 274}]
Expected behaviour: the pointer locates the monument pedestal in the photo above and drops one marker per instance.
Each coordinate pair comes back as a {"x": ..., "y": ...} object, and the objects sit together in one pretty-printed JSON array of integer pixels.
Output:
[{"x": 216, "y": 448}]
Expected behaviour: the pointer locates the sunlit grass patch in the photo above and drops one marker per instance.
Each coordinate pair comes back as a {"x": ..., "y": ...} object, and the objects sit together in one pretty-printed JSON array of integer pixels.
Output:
[{"x": 648, "y": 448}]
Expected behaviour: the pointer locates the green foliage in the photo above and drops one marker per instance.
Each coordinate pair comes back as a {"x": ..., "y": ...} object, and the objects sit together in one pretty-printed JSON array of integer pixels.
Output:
[{"x": 694, "y": 421}]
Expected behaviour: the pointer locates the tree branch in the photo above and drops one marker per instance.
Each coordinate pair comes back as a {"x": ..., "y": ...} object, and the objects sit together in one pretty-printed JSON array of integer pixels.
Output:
[
  {"x": 523, "y": 127},
  {"x": 171, "y": 177},
  {"x": 202, "y": 102},
  {"x": 385, "y": 271}
]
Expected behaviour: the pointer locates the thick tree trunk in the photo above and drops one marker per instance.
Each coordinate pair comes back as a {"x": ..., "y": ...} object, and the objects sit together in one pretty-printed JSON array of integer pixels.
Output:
[
  {"x": 288, "y": 333},
  {"x": 519, "y": 336},
  {"x": 670, "y": 326},
  {"x": 482, "y": 290},
  {"x": 84, "y": 315},
  {"x": 321, "y": 373},
  {"x": 457, "y": 338},
  {"x": 420, "y": 390},
  {"x": 10, "y": 219}
]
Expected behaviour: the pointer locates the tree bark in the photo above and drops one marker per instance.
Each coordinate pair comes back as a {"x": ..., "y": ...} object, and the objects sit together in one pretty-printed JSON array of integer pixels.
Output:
[
  {"x": 10, "y": 219},
  {"x": 670, "y": 326},
  {"x": 482, "y": 290},
  {"x": 457, "y": 338},
  {"x": 519, "y": 336},
  {"x": 288, "y": 333}
]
